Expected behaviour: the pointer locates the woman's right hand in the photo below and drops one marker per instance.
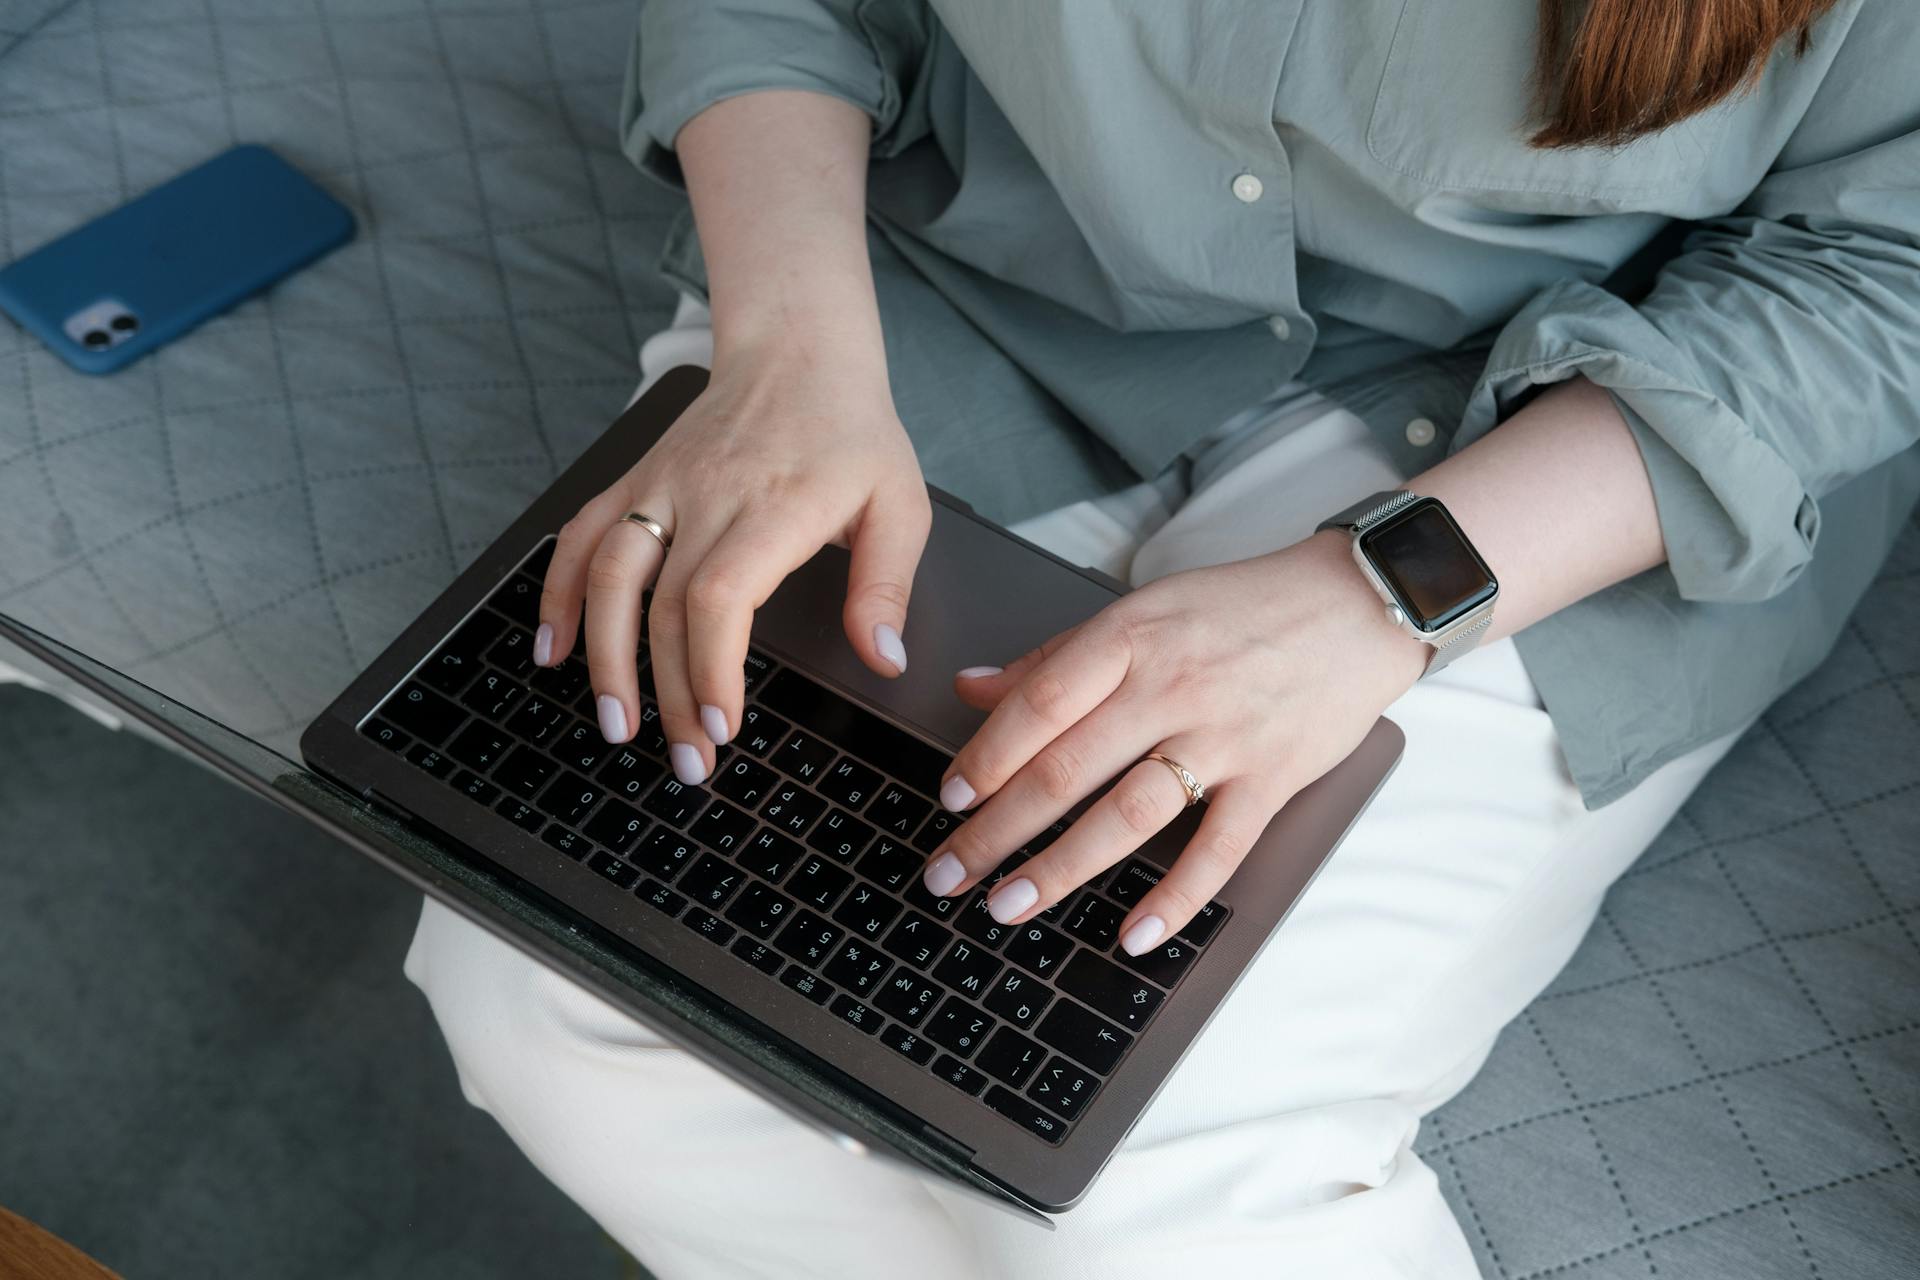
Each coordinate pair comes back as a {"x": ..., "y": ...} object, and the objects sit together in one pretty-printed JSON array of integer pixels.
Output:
[{"x": 789, "y": 448}]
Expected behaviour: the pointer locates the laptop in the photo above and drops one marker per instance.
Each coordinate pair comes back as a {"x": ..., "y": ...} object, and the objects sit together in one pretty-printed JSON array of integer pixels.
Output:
[{"x": 772, "y": 921}]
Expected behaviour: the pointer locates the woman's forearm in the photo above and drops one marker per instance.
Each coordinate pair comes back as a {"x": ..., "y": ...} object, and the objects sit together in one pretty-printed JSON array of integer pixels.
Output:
[
  {"x": 778, "y": 181},
  {"x": 1557, "y": 500}
]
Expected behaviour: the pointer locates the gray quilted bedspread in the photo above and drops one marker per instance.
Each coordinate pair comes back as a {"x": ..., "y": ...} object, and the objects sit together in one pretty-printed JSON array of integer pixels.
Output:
[{"x": 1724, "y": 1083}]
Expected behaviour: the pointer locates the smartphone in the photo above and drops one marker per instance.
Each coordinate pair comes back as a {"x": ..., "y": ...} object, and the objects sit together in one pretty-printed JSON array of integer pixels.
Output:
[{"x": 139, "y": 277}]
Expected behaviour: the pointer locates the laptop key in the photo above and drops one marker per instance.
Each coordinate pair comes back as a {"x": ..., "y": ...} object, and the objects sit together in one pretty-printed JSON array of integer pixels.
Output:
[
  {"x": 617, "y": 825},
  {"x": 959, "y": 1026},
  {"x": 758, "y": 954},
  {"x": 492, "y": 695},
  {"x": 1025, "y": 1114},
  {"x": 423, "y": 713},
  {"x": 1087, "y": 1038},
  {"x": 917, "y": 940},
  {"x": 760, "y": 731},
  {"x": 722, "y": 827},
  {"x": 648, "y": 736},
  {"x": 769, "y": 855},
  {"x": 513, "y": 653},
  {"x": 755, "y": 670},
  {"x": 525, "y": 772},
  {"x": 897, "y": 811},
  {"x": 1018, "y": 997},
  {"x": 792, "y": 808},
  {"x": 1063, "y": 1088},
  {"x": 745, "y": 782},
  {"x": 472, "y": 639},
  {"x": 1200, "y": 930},
  {"x": 959, "y": 1074},
  {"x": 449, "y": 672},
  {"x": 580, "y": 747},
  {"x": 709, "y": 926},
  {"x": 539, "y": 720},
  {"x": 890, "y": 864},
  {"x": 908, "y": 997},
  {"x": 855, "y": 1014},
  {"x": 663, "y": 852},
  {"x": 1166, "y": 964},
  {"x": 660, "y": 897},
  {"x": 711, "y": 880},
  {"x": 848, "y": 783},
  {"x": 840, "y": 835},
  {"x": 967, "y": 969},
  {"x": 857, "y": 966},
  {"x": 808, "y": 939},
  {"x": 939, "y": 908},
  {"x": 1010, "y": 1057},
  {"x": 974, "y": 920},
  {"x": 1125, "y": 997},
  {"x": 475, "y": 787},
  {"x": 810, "y": 985},
  {"x": 1094, "y": 921},
  {"x": 803, "y": 756},
  {"x": 570, "y": 798},
  {"x": 935, "y": 830},
  {"x": 675, "y": 802},
  {"x": 519, "y": 599},
  {"x": 629, "y": 774},
  {"x": 818, "y": 883},
  {"x": 385, "y": 734},
  {"x": 1131, "y": 882},
  {"x": 520, "y": 814},
  {"x": 913, "y": 1048},
  {"x": 571, "y": 843},
  {"x": 564, "y": 683},
  {"x": 1039, "y": 949},
  {"x": 479, "y": 746},
  {"x": 866, "y": 912},
  {"x": 425, "y": 757},
  {"x": 759, "y": 910},
  {"x": 612, "y": 869}
]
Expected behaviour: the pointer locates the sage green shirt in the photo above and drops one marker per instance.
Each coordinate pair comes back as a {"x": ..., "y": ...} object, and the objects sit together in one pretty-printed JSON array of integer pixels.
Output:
[{"x": 1163, "y": 211}]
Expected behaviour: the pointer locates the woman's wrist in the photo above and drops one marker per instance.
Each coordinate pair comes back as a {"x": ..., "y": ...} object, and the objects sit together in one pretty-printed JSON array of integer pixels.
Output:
[{"x": 1387, "y": 651}]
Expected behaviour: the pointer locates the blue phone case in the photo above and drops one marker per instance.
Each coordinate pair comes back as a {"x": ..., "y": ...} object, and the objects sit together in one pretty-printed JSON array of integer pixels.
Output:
[{"x": 183, "y": 252}]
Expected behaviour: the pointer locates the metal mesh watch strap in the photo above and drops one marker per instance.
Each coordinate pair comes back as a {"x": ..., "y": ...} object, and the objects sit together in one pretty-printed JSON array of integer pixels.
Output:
[{"x": 1371, "y": 510}]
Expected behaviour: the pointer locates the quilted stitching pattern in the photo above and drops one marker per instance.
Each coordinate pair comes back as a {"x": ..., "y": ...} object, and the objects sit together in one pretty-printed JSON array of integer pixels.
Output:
[
  {"x": 395, "y": 404},
  {"x": 1725, "y": 1080}
]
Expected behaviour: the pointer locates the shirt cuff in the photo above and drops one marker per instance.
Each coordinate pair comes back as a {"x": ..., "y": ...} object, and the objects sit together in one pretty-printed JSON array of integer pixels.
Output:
[{"x": 1739, "y": 523}]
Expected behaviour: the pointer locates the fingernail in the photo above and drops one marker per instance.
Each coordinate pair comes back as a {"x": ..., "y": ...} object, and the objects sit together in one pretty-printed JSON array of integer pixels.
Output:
[
  {"x": 687, "y": 764},
  {"x": 975, "y": 673},
  {"x": 956, "y": 793},
  {"x": 943, "y": 874},
  {"x": 887, "y": 641},
  {"x": 1145, "y": 933},
  {"x": 1011, "y": 898},
  {"x": 543, "y": 646},
  {"x": 613, "y": 718},
  {"x": 714, "y": 721}
]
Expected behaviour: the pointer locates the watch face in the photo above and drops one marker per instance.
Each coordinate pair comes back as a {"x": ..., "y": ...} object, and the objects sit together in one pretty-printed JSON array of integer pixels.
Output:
[{"x": 1434, "y": 573}]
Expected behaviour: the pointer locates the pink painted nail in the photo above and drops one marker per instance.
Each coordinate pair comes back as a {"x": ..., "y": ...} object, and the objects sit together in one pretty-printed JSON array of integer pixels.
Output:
[
  {"x": 977, "y": 673},
  {"x": 543, "y": 646},
  {"x": 943, "y": 874},
  {"x": 1146, "y": 931},
  {"x": 956, "y": 794},
  {"x": 887, "y": 641},
  {"x": 613, "y": 718},
  {"x": 687, "y": 764},
  {"x": 714, "y": 721},
  {"x": 1011, "y": 898}
]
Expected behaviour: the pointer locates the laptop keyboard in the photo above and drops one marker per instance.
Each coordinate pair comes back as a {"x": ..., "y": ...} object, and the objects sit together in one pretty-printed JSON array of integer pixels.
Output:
[{"x": 800, "y": 856}]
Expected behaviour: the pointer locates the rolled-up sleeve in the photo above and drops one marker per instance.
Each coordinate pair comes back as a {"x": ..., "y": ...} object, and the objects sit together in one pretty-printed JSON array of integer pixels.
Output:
[
  {"x": 1777, "y": 355},
  {"x": 689, "y": 54}
]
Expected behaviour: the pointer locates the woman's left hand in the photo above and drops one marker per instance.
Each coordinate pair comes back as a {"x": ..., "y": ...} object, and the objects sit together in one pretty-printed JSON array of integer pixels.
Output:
[{"x": 1258, "y": 676}]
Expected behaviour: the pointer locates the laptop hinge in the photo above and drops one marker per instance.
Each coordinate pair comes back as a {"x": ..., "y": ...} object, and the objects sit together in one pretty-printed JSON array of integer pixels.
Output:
[{"x": 960, "y": 1151}]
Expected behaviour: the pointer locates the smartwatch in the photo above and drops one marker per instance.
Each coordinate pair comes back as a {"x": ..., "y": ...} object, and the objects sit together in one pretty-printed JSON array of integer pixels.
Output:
[{"x": 1435, "y": 585}]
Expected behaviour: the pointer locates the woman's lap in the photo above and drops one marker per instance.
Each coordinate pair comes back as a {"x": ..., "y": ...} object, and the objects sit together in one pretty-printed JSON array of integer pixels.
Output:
[{"x": 1284, "y": 1139}]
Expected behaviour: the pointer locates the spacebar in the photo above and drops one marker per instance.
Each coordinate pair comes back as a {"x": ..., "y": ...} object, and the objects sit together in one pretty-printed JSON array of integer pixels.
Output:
[{"x": 854, "y": 729}]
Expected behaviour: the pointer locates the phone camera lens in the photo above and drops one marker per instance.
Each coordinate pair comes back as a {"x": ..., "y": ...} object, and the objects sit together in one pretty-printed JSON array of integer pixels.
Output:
[
  {"x": 125, "y": 323},
  {"x": 97, "y": 338}
]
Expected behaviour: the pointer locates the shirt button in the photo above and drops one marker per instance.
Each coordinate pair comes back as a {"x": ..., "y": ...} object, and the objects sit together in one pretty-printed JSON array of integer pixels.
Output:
[
  {"x": 1420, "y": 432},
  {"x": 1281, "y": 329},
  {"x": 1247, "y": 188}
]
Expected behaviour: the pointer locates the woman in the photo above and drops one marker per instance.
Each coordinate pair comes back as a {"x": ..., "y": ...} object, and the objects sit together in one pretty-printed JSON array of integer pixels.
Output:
[{"x": 1261, "y": 260}]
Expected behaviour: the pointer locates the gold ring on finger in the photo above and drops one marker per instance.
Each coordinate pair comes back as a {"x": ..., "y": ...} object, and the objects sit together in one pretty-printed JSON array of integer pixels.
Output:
[
  {"x": 1196, "y": 791},
  {"x": 651, "y": 525}
]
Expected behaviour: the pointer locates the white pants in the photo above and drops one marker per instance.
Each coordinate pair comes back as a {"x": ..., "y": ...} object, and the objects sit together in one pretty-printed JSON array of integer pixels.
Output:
[{"x": 1283, "y": 1144}]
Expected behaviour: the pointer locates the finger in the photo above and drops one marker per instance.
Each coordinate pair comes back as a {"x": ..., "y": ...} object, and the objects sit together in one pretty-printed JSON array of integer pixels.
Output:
[
  {"x": 1063, "y": 773},
  {"x": 622, "y": 566},
  {"x": 1054, "y": 694},
  {"x": 565, "y": 589},
  {"x": 1144, "y": 799},
  {"x": 984, "y": 686},
  {"x": 886, "y": 549},
  {"x": 733, "y": 579},
  {"x": 1233, "y": 820},
  {"x": 689, "y": 747}
]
